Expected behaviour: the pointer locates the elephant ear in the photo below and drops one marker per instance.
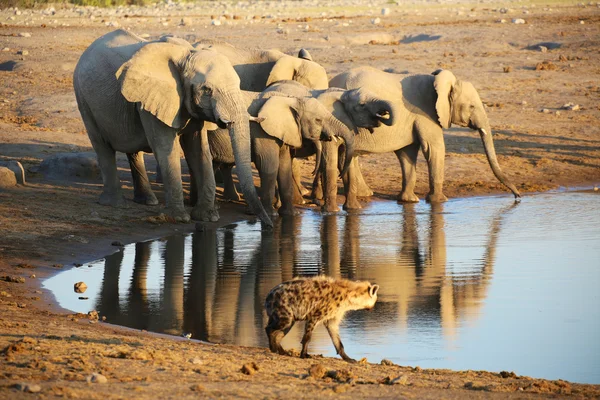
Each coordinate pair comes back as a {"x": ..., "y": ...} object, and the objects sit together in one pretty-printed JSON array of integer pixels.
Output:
[
  {"x": 281, "y": 120},
  {"x": 443, "y": 84},
  {"x": 152, "y": 78},
  {"x": 284, "y": 69}
]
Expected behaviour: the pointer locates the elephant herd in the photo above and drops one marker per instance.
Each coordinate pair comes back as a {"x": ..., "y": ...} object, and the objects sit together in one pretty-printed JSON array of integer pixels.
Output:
[{"x": 231, "y": 106}]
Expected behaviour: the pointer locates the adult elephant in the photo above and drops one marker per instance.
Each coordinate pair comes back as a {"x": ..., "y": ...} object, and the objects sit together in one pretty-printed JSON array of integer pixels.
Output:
[
  {"x": 423, "y": 106},
  {"x": 135, "y": 96},
  {"x": 286, "y": 120}
]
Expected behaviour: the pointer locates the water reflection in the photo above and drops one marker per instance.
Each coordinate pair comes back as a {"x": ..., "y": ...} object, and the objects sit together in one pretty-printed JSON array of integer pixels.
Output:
[
  {"x": 220, "y": 298},
  {"x": 435, "y": 265}
]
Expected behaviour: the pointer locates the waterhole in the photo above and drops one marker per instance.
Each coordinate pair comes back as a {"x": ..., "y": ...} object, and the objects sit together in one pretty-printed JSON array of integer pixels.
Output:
[{"x": 480, "y": 283}]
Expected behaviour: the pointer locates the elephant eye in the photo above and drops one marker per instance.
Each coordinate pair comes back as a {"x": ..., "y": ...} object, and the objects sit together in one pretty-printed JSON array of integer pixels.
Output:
[
  {"x": 318, "y": 120},
  {"x": 206, "y": 90}
]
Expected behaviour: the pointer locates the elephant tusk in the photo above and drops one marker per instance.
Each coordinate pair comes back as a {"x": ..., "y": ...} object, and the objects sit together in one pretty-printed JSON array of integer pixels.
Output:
[
  {"x": 383, "y": 115},
  {"x": 256, "y": 119},
  {"x": 334, "y": 138},
  {"x": 483, "y": 132}
]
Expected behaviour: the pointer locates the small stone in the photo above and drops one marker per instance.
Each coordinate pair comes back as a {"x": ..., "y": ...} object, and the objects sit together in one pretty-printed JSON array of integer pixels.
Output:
[
  {"x": 32, "y": 276},
  {"x": 317, "y": 371},
  {"x": 249, "y": 368},
  {"x": 13, "y": 279},
  {"x": 376, "y": 21},
  {"x": 385, "y": 361},
  {"x": 571, "y": 107},
  {"x": 23, "y": 52},
  {"x": 197, "y": 388},
  {"x": 24, "y": 34},
  {"x": 80, "y": 287},
  {"x": 582, "y": 22},
  {"x": 543, "y": 49},
  {"x": 523, "y": 103},
  {"x": 28, "y": 387},
  {"x": 197, "y": 361},
  {"x": 96, "y": 378},
  {"x": 341, "y": 375},
  {"x": 215, "y": 22},
  {"x": 518, "y": 21},
  {"x": 545, "y": 111},
  {"x": 385, "y": 11},
  {"x": 6, "y": 49}
]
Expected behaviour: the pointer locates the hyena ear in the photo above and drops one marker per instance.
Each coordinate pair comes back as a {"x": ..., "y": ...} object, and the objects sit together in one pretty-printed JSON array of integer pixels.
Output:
[{"x": 373, "y": 290}]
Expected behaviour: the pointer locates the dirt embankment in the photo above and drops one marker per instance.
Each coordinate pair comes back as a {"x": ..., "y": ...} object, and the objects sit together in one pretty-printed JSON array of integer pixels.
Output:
[{"x": 43, "y": 225}]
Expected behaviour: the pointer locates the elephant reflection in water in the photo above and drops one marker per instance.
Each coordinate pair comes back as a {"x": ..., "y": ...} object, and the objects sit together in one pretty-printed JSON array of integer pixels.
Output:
[{"x": 138, "y": 309}]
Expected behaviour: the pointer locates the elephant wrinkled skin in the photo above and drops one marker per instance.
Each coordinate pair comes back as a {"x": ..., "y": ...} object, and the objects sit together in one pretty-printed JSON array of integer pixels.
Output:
[
  {"x": 423, "y": 106},
  {"x": 135, "y": 96}
]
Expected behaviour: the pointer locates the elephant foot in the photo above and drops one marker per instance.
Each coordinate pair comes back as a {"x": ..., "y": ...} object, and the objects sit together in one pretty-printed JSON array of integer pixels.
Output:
[
  {"x": 206, "y": 214},
  {"x": 330, "y": 208},
  {"x": 436, "y": 198},
  {"x": 148, "y": 199},
  {"x": 406, "y": 197},
  {"x": 112, "y": 199},
  {"x": 318, "y": 202},
  {"x": 364, "y": 191},
  {"x": 352, "y": 204},
  {"x": 288, "y": 211},
  {"x": 178, "y": 215}
]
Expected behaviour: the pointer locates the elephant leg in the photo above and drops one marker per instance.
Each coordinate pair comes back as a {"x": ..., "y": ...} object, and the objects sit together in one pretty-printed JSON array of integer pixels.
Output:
[
  {"x": 205, "y": 208},
  {"x": 408, "y": 162},
  {"x": 267, "y": 164},
  {"x": 285, "y": 181},
  {"x": 434, "y": 152},
  {"x": 362, "y": 189},
  {"x": 317, "y": 189},
  {"x": 111, "y": 192},
  {"x": 142, "y": 192},
  {"x": 350, "y": 188},
  {"x": 298, "y": 190},
  {"x": 330, "y": 176},
  {"x": 162, "y": 140},
  {"x": 229, "y": 191},
  {"x": 158, "y": 177}
]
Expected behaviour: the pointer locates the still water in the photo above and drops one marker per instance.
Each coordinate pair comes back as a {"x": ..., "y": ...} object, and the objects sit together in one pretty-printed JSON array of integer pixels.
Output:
[{"x": 479, "y": 283}]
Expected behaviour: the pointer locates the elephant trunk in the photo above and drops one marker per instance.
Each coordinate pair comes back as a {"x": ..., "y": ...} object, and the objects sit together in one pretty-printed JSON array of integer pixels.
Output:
[
  {"x": 337, "y": 128},
  {"x": 490, "y": 152},
  {"x": 238, "y": 124}
]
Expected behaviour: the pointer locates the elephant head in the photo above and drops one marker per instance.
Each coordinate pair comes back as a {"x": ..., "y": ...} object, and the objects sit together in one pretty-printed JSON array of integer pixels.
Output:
[
  {"x": 175, "y": 83},
  {"x": 292, "y": 119},
  {"x": 458, "y": 103},
  {"x": 302, "y": 70},
  {"x": 366, "y": 110}
]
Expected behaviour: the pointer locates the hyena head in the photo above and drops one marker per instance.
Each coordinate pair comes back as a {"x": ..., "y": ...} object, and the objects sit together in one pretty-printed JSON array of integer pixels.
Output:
[{"x": 365, "y": 296}]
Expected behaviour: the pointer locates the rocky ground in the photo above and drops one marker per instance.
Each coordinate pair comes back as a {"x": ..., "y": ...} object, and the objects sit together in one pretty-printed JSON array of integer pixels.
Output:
[{"x": 535, "y": 64}]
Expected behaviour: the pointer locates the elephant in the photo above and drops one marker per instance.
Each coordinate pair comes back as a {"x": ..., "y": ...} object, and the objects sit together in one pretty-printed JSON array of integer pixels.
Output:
[
  {"x": 135, "y": 95},
  {"x": 283, "y": 121},
  {"x": 423, "y": 106},
  {"x": 258, "y": 69}
]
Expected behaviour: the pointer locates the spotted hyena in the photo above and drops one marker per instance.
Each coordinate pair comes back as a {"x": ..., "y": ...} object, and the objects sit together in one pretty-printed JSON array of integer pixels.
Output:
[{"x": 314, "y": 300}]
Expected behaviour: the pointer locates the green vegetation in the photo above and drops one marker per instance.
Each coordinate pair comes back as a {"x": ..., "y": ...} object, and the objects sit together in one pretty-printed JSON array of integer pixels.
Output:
[{"x": 98, "y": 3}]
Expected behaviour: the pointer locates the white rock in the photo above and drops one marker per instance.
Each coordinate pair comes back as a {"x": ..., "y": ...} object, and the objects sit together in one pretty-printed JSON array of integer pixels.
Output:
[
  {"x": 543, "y": 49},
  {"x": 518, "y": 21},
  {"x": 582, "y": 22},
  {"x": 24, "y": 34},
  {"x": 376, "y": 21},
  {"x": 96, "y": 378},
  {"x": 23, "y": 52},
  {"x": 385, "y": 11},
  {"x": 215, "y": 22},
  {"x": 6, "y": 49}
]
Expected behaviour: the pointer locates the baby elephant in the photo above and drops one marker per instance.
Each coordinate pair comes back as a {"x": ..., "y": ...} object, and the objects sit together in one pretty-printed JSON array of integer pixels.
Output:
[{"x": 314, "y": 300}]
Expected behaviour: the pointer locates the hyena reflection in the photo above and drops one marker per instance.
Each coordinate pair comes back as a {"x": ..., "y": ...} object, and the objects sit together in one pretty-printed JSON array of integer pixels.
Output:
[{"x": 314, "y": 300}]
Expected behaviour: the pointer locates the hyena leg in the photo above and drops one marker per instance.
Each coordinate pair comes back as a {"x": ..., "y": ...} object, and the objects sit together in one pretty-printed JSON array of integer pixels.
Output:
[
  {"x": 333, "y": 327},
  {"x": 277, "y": 328},
  {"x": 308, "y": 329}
]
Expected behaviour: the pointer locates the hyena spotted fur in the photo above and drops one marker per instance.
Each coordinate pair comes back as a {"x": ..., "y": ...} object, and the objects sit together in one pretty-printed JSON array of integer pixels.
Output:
[{"x": 314, "y": 300}]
